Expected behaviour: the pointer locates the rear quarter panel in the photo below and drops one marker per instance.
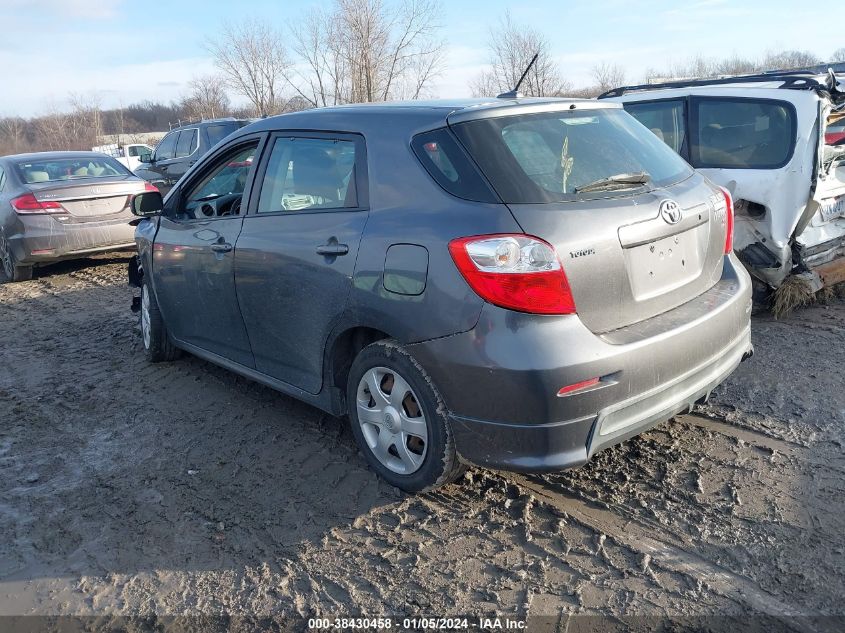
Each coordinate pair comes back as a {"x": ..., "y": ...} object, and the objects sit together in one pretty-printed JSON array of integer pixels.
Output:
[{"x": 409, "y": 207}]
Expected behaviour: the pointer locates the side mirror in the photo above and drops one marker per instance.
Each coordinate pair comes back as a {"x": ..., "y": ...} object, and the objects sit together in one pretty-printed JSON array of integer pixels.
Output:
[
  {"x": 146, "y": 158},
  {"x": 147, "y": 204}
]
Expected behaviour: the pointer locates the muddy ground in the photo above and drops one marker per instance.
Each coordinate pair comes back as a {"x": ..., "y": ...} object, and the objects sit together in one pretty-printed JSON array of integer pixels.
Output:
[{"x": 130, "y": 488}]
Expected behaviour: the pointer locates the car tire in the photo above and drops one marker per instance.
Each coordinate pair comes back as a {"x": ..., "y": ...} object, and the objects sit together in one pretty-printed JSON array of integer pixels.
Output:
[
  {"x": 157, "y": 344},
  {"x": 9, "y": 267},
  {"x": 413, "y": 420},
  {"x": 761, "y": 297}
]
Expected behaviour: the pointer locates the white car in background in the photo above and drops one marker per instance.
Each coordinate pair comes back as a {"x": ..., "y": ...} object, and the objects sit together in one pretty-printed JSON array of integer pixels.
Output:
[
  {"x": 763, "y": 138},
  {"x": 130, "y": 155}
]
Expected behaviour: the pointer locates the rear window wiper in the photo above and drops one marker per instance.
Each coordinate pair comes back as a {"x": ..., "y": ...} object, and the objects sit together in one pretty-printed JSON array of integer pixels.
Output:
[{"x": 619, "y": 181}]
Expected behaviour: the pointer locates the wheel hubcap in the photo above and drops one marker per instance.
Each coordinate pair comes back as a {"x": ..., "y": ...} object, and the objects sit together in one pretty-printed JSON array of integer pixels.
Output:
[
  {"x": 391, "y": 420},
  {"x": 145, "y": 316}
]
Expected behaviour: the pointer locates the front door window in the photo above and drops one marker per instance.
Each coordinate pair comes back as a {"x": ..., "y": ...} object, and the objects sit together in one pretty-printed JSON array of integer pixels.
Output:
[{"x": 220, "y": 193}]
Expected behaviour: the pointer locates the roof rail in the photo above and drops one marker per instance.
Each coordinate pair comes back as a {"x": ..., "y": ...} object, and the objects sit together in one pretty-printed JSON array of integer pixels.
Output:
[
  {"x": 792, "y": 80},
  {"x": 224, "y": 119}
]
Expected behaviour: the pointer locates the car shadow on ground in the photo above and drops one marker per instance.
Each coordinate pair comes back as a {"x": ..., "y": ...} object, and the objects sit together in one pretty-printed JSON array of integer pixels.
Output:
[{"x": 70, "y": 266}]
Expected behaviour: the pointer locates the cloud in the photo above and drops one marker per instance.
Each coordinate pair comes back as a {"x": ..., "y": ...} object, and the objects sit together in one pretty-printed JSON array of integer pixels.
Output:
[
  {"x": 117, "y": 85},
  {"x": 76, "y": 9}
]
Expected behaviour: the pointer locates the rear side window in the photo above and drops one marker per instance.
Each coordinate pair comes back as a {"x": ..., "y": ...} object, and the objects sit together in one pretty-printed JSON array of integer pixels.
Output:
[
  {"x": 217, "y": 133},
  {"x": 2, "y": 179},
  {"x": 665, "y": 119},
  {"x": 550, "y": 156},
  {"x": 739, "y": 133},
  {"x": 167, "y": 147},
  {"x": 448, "y": 164},
  {"x": 187, "y": 143},
  {"x": 306, "y": 174}
]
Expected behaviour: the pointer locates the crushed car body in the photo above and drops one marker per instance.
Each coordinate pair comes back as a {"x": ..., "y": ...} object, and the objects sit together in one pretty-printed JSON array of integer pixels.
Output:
[{"x": 763, "y": 137}]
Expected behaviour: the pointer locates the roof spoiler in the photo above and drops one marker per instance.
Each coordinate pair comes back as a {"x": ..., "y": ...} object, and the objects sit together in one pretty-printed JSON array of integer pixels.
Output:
[{"x": 791, "y": 80}]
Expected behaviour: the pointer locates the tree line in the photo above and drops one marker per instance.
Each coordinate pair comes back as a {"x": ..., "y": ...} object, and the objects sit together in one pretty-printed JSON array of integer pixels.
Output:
[{"x": 353, "y": 51}]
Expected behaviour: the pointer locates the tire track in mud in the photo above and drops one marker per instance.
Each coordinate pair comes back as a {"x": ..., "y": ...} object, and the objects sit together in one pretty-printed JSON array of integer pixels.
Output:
[
  {"x": 752, "y": 436},
  {"x": 628, "y": 531}
]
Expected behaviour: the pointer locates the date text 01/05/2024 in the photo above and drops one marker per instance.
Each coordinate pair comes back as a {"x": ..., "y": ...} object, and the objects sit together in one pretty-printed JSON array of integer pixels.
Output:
[{"x": 417, "y": 624}]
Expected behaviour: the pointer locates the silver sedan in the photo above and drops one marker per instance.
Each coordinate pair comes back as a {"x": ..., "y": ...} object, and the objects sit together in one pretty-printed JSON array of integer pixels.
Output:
[{"x": 62, "y": 205}]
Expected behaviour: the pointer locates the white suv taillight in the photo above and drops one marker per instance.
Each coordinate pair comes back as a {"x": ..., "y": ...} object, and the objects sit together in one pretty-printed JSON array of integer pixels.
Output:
[
  {"x": 518, "y": 272},
  {"x": 729, "y": 220}
]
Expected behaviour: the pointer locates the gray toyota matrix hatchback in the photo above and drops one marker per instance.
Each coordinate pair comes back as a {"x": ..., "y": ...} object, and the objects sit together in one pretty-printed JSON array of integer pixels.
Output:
[{"x": 514, "y": 283}]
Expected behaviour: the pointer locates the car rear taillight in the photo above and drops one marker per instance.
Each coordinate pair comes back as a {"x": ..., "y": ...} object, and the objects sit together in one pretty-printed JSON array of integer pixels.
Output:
[
  {"x": 518, "y": 272},
  {"x": 148, "y": 186},
  {"x": 28, "y": 203},
  {"x": 729, "y": 217}
]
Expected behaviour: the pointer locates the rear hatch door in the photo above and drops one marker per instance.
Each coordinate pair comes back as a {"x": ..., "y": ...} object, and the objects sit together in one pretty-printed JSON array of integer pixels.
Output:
[
  {"x": 637, "y": 230},
  {"x": 625, "y": 260}
]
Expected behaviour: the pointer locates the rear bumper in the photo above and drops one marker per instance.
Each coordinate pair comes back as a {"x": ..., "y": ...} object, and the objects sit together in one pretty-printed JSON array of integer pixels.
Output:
[
  {"x": 561, "y": 445},
  {"x": 500, "y": 380},
  {"x": 42, "y": 238}
]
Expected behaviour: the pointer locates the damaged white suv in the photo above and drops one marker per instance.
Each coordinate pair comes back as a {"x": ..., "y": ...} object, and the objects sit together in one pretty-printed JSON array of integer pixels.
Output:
[{"x": 763, "y": 138}]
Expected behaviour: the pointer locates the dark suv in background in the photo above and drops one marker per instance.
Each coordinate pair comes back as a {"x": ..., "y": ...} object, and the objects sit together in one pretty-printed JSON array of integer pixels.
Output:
[{"x": 182, "y": 147}]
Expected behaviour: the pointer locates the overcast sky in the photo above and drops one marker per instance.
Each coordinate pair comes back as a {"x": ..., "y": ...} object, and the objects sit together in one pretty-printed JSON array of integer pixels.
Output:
[{"x": 132, "y": 50}]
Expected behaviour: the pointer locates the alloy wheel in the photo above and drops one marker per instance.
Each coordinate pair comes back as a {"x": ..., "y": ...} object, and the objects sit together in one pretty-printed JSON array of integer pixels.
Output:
[{"x": 391, "y": 420}]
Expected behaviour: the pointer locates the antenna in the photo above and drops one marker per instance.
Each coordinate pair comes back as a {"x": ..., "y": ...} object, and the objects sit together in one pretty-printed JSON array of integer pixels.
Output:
[{"x": 515, "y": 93}]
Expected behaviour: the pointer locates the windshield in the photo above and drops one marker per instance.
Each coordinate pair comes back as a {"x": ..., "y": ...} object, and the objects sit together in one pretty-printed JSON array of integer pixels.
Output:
[
  {"x": 560, "y": 156},
  {"x": 58, "y": 169}
]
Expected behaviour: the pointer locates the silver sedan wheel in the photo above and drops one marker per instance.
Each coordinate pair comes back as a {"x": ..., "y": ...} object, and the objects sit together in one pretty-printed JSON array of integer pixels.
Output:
[
  {"x": 145, "y": 316},
  {"x": 391, "y": 420},
  {"x": 6, "y": 257}
]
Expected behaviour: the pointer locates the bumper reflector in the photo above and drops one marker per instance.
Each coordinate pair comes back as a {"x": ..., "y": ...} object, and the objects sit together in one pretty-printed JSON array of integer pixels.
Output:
[{"x": 584, "y": 385}]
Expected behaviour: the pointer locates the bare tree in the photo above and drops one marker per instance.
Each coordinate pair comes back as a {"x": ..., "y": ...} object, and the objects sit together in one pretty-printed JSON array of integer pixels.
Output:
[
  {"x": 12, "y": 131},
  {"x": 365, "y": 50},
  {"x": 786, "y": 60},
  {"x": 206, "y": 98},
  {"x": 252, "y": 59},
  {"x": 607, "y": 76},
  {"x": 511, "y": 48},
  {"x": 838, "y": 55},
  {"x": 736, "y": 66},
  {"x": 702, "y": 67},
  {"x": 56, "y": 131},
  {"x": 86, "y": 119}
]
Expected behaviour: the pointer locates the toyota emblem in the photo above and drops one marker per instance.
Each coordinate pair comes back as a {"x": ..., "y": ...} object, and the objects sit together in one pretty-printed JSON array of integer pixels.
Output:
[{"x": 670, "y": 211}]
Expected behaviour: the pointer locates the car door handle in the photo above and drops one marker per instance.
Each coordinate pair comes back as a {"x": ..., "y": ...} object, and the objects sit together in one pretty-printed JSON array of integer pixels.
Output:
[
  {"x": 333, "y": 249},
  {"x": 221, "y": 247}
]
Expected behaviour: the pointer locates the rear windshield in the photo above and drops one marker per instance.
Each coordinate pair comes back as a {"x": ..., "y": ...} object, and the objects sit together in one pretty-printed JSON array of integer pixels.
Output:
[
  {"x": 548, "y": 157},
  {"x": 219, "y": 131},
  {"x": 56, "y": 169}
]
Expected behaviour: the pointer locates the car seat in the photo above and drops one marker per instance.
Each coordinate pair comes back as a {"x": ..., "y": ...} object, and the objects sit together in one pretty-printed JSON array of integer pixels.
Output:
[
  {"x": 37, "y": 176},
  {"x": 315, "y": 174}
]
